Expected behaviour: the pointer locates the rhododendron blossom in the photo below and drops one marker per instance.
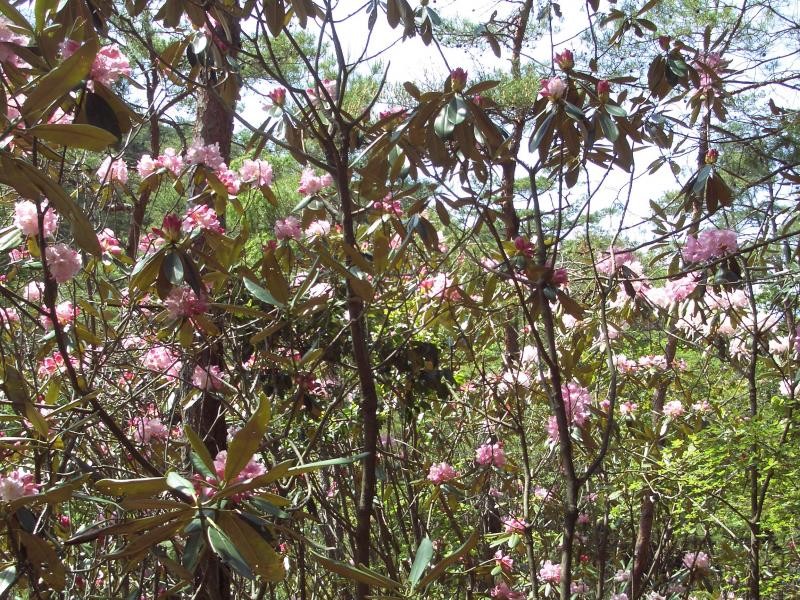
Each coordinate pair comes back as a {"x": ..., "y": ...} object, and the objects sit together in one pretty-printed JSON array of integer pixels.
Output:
[
  {"x": 113, "y": 171},
  {"x": 709, "y": 244},
  {"x": 17, "y": 484},
  {"x": 9, "y": 316},
  {"x": 288, "y": 228},
  {"x": 207, "y": 378},
  {"x": 697, "y": 560},
  {"x": 63, "y": 262},
  {"x": 318, "y": 229},
  {"x": 502, "y": 592},
  {"x": 147, "y": 430},
  {"x": 674, "y": 409},
  {"x": 258, "y": 172},
  {"x": 109, "y": 243},
  {"x": 254, "y": 468},
  {"x": 311, "y": 184},
  {"x": 504, "y": 561},
  {"x": 182, "y": 302},
  {"x": 614, "y": 259},
  {"x": 550, "y": 573},
  {"x": 553, "y": 88},
  {"x": 162, "y": 360},
  {"x": 201, "y": 217},
  {"x": 201, "y": 154},
  {"x": 109, "y": 63},
  {"x": 7, "y": 53},
  {"x": 65, "y": 314},
  {"x": 576, "y": 402},
  {"x": 514, "y": 525},
  {"x": 441, "y": 472},
  {"x": 491, "y": 454},
  {"x": 26, "y": 218}
]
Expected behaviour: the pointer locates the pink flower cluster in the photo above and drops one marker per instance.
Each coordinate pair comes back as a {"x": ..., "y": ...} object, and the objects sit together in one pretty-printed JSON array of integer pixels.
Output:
[
  {"x": 113, "y": 171},
  {"x": 388, "y": 206},
  {"x": 491, "y": 454},
  {"x": 504, "y": 561},
  {"x": 257, "y": 171},
  {"x": 182, "y": 302},
  {"x": 674, "y": 291},
  {"x": 553, "y": 88},
  {"x": 63, "y": 262},
  {"x": 109, "y": 65},
  {"x": 147, "y": 429},
  {"x": 26, "y": 219},
  {"x": 697, "y": 560},
  {"x": 109, "y": 243},
  {"x": 208, "y": 155},
  {"x": 17, "y": 484},
  {"x": 9, "y": 316},
  {"x": 576, "y": 401},
  {"x": 162, "y": 360},
  {"x": 208, "y": 378},
  {"x": 288, "y": 228},
  {"x": 311, "y": 184},
  {"x": 441, "y": 472},
  {"x": 315, "y": 95},
  {"x": 7, "y": 35},
  {"x": 550, "y": 573},
  {"x": 709, "y": 67},
  {"x": 65, "y": 314},
  {"x": 514, "y": 525},
  {"x": 614, "y": 259},
  {"x": 254, "y": 468},
  {"x": 502, "y": 592},
  {"x": 201, "y": 217},
  {"x": 441, "y": 286},
  {"x": 170, "y": 160},
  {"x": 709, "y": 244},
  {"x": 318, "y": 229},
  {"x": 674, "y": 409}
]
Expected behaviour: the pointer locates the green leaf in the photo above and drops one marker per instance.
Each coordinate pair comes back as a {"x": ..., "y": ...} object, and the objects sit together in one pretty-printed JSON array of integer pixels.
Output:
[
  {"x": 260, "y": 293},
  {"x": 615, "y": 110},
  {"x": 10, "y": 237},
  {"x": 132, "y": 487},
  {"x": 200, "y": 456},
  {"x": 82, "y": 229},
  {"x": 172, "y": 268},
  {"x": 178, "y": 483},
  {"x": 75, "y": 135},
  {"x": 421, "y": 560},
  {"x": 357, "y": 573},
  {"x": 7, "y": 577},
  {"x": 314, "y": 466},
  {"x": 540, "y": 132},
  {"x": 448, "y": 560},
  {"x": 702, "y": 177},
  {"x": 259, "y": 555},
  {"x": 247, "y": 440},
  {"x": 609, "y": 127},
  {"x": 224, "y": 547},
  {"x": 55, "y": 84},
  {"x": 442, "y": 126},
  {"x": 573, "y": 111},
  {"x": 678, "y": 67},
  {"x": 13, "y": 15}
]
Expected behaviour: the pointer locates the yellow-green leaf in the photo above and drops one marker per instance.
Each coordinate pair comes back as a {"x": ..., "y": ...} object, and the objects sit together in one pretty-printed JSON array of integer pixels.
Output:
[{"x": 75, "y": 135}]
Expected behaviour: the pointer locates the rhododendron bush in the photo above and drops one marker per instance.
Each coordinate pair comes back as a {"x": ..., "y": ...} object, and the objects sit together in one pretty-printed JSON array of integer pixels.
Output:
[{"x": 272, "y": 325}]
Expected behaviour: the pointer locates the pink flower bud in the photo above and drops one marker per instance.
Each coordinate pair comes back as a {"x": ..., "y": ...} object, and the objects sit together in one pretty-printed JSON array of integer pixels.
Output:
[
  {"x": 711, "y": 156},
  {"x": 664, "y": 41},
  {"x": 603, "y": 88},
  {"x": 458, "y": 79},
  {"x": 170, "y": 228},
  {"x": 565, "y": 60},
  {"x": 278, "y": 96}
]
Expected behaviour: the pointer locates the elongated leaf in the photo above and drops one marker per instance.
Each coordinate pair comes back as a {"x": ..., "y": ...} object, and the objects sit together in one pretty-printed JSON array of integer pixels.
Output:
[
  {"x": 358, "y": 573},
  {"x": 132, "y": 488},
  {"x": 204, "y": 462},
  {"x": 180, "y": 484},
  {"x": 421, "y": 560},
  {"x": 259, "y": 555},
  {"x": 247, "y": 440},
  {"x": 7, "y": 577},
  {"x": 52, "y": 86},
  {"x": 540, "y": 132},
  {"x": 609, "y": 127},
  {"x": 314, "y": 466},
  {"x": 224, "y": 547},
  {"x": 260, "y": 293},
  {"x": 448, "y": 560},
  {"x": 75, "y": 135}
]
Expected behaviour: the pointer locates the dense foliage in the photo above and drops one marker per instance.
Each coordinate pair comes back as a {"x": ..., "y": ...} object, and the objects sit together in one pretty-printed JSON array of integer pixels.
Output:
[{"x": 520, "y": 328}]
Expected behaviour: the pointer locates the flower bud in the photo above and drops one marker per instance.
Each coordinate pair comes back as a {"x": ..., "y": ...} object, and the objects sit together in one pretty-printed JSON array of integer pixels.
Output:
[
  {"x": 603, "y": 88},
  {"x": 278, "y": 96},
  {"x": 565, "y": 60},
  {"x": 458, "y": 79},
  {"x": 170, "y": 228},
  {"x": 664, "y": 41},
  {"x": 711, "y": 156}
]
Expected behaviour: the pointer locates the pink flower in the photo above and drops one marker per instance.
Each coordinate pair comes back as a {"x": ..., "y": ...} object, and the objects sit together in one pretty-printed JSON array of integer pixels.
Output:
[
  {"x": 395, "y": 111},
  {"x": 256, "y": 171},
  {"x": 200, "y": 154},
  {"x": 201, "y": 217},
  {"x": 309, "y": 183},
  {"x": 208, "y": 378},
  {"x": 710, "y": 244},
  {"x": 614, "y": 259},
  {"x": 318, "y": 229},
  {"x": 7, "y": 35},
  {"x": 109, "y": 65},
  {"x": 171, "y": 160},
  {"x": 254, "y": 468},
  {"x": 147, "y": 166},
  {"x": 277, "y": 96},
  {"x": 696, "y": 560},
  {"x": 553, "y": 88},
  {"x": 627, "y": 408},
  {"x": 711, "y": 156},
  {"x": 315, "y": 95},
  {"x": 63, "y": 262},
  {"x": 288, "y": 228},
  {"x": 560, "y": 277},
  {"x": 33, "y": 291},
  {"x": 674, "y": 409},
  {"x": 603, "y": 89},
  {"x": 550, "y": 573},
  {"x": 458, "y": 79},
  {"x": 502, "y": 592},
  {"x": 576, "y": 401},
  {"x": 9, "y": 316},
  {"x": 182, "y": 302},
  {"x": 59, "y": 117},
  {"x": 491, "y": 454},
  {"x": 230, "y": 179},
  {"x": 113, "y": 170},
  {"x": 505, "y": 562},
  {"x": 26, "y": 219},
  {"x": 389, "y": 206},
  {"x": 17, "y": 484},
  {"x": 514, "y": 525},
  {"x": 65, "y": 314},
  {"x": 162, "y": 360},
  {"x": 709, "y": 68},
  {"x": 441, "y": 286},
  {"x": 109, "y": 242},
  {"x": 441, "y": 472},
  {"x": 147, "y": 430},
  {"x": 565, "y": 60}
]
